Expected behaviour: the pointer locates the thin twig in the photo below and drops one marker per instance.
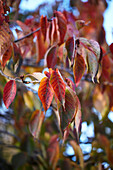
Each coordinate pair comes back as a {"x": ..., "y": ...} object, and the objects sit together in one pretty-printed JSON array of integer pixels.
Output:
[{"x": 26, "y": 36}]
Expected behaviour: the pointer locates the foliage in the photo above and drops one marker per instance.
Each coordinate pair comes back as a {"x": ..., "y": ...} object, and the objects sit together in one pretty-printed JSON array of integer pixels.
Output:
[{"x": 55, "y": 76}]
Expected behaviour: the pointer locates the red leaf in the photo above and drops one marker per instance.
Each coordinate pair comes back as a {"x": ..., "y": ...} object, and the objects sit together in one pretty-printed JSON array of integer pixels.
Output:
[
  {"x": 53, "y": 151},
  {"x": 6, "y": 56},
  {"x": 44, "y": 25},
  {"x": 51, "y": 57},
  {"x": 68, "y": 112},
  {"x": 45, "y": 93},
  {"x": 36, "y": 122},
  {"x": 111, "y": 48},
  {"x": 78, "y": 68},
  {"x": 62, "y": 24},
  {"x": 9, "y": 93},
  {"x": 70, "y": 46},
  {"x": 58, "y": 85}
]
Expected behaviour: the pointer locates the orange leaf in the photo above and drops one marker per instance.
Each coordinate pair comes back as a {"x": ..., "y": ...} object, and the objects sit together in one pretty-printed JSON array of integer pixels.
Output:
[
  {"x": 45, "y": 93},
  {"x": 36, "y": 122},
  {"x": 62, "y": 24},
  {"x": 9, "y": 93},
  {"x": 58, "y": 85},
  {"x": 78, "y": 68}
]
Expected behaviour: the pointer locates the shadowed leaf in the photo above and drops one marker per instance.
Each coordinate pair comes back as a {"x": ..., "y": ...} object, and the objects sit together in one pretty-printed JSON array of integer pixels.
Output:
[
  {"x": 36, "y": 122},
  {"x": 9, "y": 93},
  {"x": 70, "y": 46},
  {"x": 53, "y": 151},
  {"x": 111, "y": 48},
  {"x": 68, "y": 112},
  {"x": 6, "y": 56},
  {"x": 78, "y": 68},
  {"x": 44, "y": 25},
  {"x": 58, "y": 86},
  {"x": 45, "y": 93}
]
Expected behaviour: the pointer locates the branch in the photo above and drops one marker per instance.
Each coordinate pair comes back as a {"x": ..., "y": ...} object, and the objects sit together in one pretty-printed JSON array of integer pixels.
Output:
[{"x": 26, "y": 36}]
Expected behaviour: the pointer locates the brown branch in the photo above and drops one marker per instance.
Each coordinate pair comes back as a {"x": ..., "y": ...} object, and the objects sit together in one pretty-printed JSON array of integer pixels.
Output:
[{"x": 26, "y": 36}]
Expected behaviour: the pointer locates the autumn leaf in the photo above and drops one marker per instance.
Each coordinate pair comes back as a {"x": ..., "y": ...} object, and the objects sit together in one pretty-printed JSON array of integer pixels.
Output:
[
  {"x": 111, "y": 48},
  {"x": 62, "y": 25},
  {"x": 78, "y": 68},
  {"x": 53, "y": 151},
  {"x": 36, "y": 122},
  {"x": 58, "y": 86},
  {"x": 81, "y": 23},
  {"x": 45, "y": 93},
  {"x": 44, "y": 25},
  {"x": 6, "y": 56},
  {"x": 9, "y": 93},
  {"x": 68, "y": 112},
  {"x": 51, "y": 57},
  {"x": 37, "y": 75},
  {"x": 70, "y": 46},
  {"x": 6, "y": 38}
]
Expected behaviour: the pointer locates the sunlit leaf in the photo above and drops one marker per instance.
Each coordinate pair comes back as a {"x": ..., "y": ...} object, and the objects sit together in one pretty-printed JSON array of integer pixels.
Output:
[
  {"x": 68, "y": 112},
  {"x": 78, "y": 153},
  {"x": 58, "y": 86},
  {"x": 78, "y": 68},
  {"x": 9, "y": 93},
  {"x": 51, "y": 57},
  {"x": 53, "y": 151},
  {"x": 36, "y": 123},
  {"x": 70, "y": 46},
  {"x": 37, "y": 75},
  {"x": 44, "y": 25},
  {"x": 62, "y": 24},
  {"x": 45, "y": 93}
]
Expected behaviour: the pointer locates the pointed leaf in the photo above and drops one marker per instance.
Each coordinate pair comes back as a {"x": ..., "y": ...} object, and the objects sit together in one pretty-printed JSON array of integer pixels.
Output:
[
  {"x": 81, "y": 23},
  {"x": 6, "y": 56},
  {"x": 70, "y": 46},
  {"x": 45, "y": 93},
  {"x": 58, "y": 86},
  {"x": 44, "y": 25},
  {"x": 68, "y": 112},
  {"x": 36, "y": 122},
  {"x": 78, "y": 68},
  {"x": 53, "y": 151},
  {"x": 9, "y": 93},
  {"x": 78, "y": 153},
  {"x": 51, "y": 57},
  {"x": 62, "y": 25}
]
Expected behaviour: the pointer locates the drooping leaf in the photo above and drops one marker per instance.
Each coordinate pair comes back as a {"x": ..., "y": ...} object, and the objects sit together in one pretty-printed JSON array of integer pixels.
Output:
[
  {"x": 6, "y": 56},
  {"x": 36, "y": 122},
  {"x": 62, "y": 25},
  {"x": 56, "y": 37},
  {"x": 70, "y": 46},
  {"x": 37, "y": 75},
  {"x": 53, "y": 151},
  {"x": 6, "y": 38},
  {"x": 78, "y": 153},
  {"x": 9, "y": 93},
  {"x": 68, "y": 112},
  {"x": 44, "y": 25},
  {"x": 78, "y": 68},
  {"x": 51, "y": 57},
  {"x": 58, "y": 86},
  {"x": 45, "y": 93}
]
